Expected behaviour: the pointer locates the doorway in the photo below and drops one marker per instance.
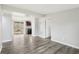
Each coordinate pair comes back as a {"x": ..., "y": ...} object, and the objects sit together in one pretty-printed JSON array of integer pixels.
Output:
[{"x": 28, "y": 28}]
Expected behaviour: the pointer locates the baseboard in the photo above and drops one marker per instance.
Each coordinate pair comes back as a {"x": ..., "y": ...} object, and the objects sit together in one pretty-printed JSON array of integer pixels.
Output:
[
  {"x": 6, "y": 41},
  {"x": 45, "y": 37},
  {"x": 34, "y": 35},
  {"x": 0, "y": 48},
  {"x": 66, "y": 44}
]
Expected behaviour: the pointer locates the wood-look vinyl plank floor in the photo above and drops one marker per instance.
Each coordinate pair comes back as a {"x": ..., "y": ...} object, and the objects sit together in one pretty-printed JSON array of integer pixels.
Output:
[{"x": 35, "y": 45}]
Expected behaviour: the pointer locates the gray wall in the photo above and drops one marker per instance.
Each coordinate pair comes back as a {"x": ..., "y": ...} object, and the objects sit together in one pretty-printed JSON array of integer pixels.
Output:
[{"x": 65, "y": 27}]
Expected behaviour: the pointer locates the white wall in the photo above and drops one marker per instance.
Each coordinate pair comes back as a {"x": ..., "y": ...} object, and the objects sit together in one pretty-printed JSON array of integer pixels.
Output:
[
  {"x": 36, "y": 26},
  {"x": 27, "y": 13},
  {"x": 44, "y": 27},
  {"x": 7, "y": 27},
  {"x": 48, "y": 28},
  {"x": 65, "y": 27},
  {"x": 42, "y": 30},
  {"x": 0, "y": 30},
  {"x": 0, "y": 33},
  {"x": 7, "y": 22}
]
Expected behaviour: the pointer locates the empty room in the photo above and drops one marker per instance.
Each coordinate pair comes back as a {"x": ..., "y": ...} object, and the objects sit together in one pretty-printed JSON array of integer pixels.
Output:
[{"x": 39, "y": 28}]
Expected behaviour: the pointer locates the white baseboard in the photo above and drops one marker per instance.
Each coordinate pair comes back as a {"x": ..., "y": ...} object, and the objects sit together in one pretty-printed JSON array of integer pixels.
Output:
[
  {"x": 6, "y": 41},
  {"x": 0, "y": 48},
  {"x": 66, "y": 44},
  {"x": 34, "y": 35},
  {"x": 43, "y": 36}
]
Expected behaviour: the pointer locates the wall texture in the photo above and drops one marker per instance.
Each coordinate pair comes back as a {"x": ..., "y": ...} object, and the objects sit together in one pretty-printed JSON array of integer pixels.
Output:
[{"x": 65, "y": 27}]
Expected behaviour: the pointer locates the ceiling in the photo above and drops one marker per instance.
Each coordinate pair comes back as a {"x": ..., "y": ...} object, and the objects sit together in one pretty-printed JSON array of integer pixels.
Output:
[{"x": 45, "y": 8}]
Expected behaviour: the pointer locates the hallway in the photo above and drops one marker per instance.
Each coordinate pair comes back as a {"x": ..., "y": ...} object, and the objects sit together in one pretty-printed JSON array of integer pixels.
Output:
[{"x": 35, "y": 45}]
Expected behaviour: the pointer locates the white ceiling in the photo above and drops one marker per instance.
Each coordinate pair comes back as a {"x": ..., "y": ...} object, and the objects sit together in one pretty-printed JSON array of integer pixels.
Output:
[{"x": 45, "y": 8}]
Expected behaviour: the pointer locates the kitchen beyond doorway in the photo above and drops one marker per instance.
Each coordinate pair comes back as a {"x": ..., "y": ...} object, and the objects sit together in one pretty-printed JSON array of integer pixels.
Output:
[{"x": 28, "y": 28}]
